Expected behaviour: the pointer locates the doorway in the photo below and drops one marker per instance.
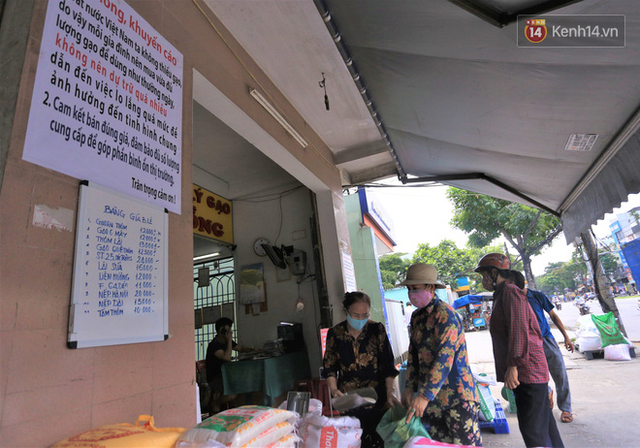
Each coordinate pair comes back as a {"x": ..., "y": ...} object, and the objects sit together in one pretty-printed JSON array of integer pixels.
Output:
[{"x": 214, "y": 297}]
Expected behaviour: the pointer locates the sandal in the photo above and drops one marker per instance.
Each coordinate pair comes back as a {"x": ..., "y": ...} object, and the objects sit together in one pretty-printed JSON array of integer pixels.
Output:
[{"x": 566, "y": 417}]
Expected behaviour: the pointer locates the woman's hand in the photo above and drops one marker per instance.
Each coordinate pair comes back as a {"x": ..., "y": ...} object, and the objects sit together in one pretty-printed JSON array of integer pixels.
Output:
[
  {"x": 392, "y": 399},
  {"x": 336, "y": 393},
  {"x": 407, "y": 397},
  {"x": 511, "y": 378},
  {"x": 417, "y": 407}
]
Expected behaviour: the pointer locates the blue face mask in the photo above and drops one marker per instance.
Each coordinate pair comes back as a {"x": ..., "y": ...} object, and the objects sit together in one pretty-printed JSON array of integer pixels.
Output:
[{"x": 356, "y": 324}]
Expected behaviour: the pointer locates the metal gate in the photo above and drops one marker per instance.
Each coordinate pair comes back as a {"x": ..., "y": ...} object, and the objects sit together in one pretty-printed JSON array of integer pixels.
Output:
[{"x": 213, "y": 301}]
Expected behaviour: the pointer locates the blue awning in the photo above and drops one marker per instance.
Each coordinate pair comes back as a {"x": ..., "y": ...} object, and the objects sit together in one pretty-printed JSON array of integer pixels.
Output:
[{"x": 469, "y": 298}]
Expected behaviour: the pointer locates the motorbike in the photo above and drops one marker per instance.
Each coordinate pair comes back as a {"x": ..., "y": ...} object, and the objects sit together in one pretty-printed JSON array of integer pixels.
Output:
[{"x": 583, "y": 307}]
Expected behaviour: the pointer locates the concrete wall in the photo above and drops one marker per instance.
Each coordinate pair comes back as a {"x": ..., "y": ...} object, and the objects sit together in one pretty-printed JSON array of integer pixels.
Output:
[
  {"x": 365, "y": 258},
  {"x": 48, "y": 392},
  {"x": 281, "y": 286}
]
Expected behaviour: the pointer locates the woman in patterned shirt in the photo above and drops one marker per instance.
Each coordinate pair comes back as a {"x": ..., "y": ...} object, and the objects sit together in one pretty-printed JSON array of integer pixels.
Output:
[
  {"x": 440, "y": 387},
  {"x": 518, "y": 351},
  {"x": 359, "y": 355}
]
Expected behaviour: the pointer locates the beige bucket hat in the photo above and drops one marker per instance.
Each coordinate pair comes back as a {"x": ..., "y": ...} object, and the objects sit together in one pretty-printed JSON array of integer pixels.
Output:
[{"x": 422, "y": 274}]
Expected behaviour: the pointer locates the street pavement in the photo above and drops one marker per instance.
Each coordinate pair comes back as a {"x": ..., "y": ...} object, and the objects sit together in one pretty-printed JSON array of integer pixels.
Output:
[{"x": 605, "y": 394}]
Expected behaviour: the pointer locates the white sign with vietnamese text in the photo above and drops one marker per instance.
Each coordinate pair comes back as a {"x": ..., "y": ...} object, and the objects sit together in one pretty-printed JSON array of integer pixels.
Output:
[
  {"x": 349, "y": 273},
  {"x": 107, "y": 101}
]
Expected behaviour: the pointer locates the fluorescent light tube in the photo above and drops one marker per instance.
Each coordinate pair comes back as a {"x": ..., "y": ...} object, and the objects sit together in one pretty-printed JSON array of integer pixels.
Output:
[
  {"x": 203, "y": 257},
  {"x": 279, "y": 118}
]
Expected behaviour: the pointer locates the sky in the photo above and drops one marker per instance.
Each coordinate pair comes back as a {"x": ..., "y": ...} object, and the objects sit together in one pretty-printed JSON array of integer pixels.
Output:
[{"x": 422, "y": 214}]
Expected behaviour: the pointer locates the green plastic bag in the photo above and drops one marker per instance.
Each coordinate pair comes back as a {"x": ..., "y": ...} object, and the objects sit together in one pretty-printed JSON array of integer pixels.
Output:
[
  {"x": 395, "y": 431},
  {"x": 608, "y": 328}
]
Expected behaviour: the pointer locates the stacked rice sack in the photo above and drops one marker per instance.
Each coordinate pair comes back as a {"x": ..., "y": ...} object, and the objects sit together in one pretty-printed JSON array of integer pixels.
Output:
[
  {"x": 587, "y": 334},
  {"x": 315, "y": 430},
  {"x": 246, "y": 426},
  {"x": 142, "y": 434}
]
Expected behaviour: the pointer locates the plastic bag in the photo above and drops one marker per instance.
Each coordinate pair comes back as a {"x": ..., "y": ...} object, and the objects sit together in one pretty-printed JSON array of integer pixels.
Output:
[
  {"x": 617, "y": 352},
  {"x": 487, "y": 404},
  {"x": 483, "y": 378},
  {"x": 417, "y": 442},
  {"x": 355, "y": 399},
  {"x": 608, "y": 328},
  {"x": 395, "y": 431}
]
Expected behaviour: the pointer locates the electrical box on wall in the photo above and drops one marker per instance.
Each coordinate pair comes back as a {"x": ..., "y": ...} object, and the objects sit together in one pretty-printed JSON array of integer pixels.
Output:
[{"x": 297, "y": 261}]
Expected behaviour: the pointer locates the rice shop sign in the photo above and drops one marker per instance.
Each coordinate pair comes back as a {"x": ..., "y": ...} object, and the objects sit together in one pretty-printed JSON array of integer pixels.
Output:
[{"x": 212, "y": 215}]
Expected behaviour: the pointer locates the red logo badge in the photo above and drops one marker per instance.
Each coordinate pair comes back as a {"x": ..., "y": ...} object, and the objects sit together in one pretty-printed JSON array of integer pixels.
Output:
[{"x": 536, "y": 30}]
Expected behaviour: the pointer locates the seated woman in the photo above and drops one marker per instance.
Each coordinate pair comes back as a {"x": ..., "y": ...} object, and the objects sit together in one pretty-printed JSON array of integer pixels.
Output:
[{"x": 359, "y": 355}]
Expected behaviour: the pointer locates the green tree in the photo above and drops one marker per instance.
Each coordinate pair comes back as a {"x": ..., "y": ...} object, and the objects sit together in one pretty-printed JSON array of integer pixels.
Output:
[
  {"x": 610, "y": 263},
  {"x": 393, "y": 269},
  {"x": 450, "y": 261},
  {"x": 526, "y": 229},
  {"x": 558, "y": 276}
]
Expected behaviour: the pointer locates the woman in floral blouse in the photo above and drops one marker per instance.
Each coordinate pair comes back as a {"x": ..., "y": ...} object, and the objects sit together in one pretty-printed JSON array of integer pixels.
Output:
[
  {"x": 359, "y": 355},
  {"x": 440, "y": 387}
]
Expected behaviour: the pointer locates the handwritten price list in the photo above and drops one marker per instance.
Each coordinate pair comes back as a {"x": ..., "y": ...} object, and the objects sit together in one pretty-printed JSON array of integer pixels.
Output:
[{"x": 122, "y": 253}]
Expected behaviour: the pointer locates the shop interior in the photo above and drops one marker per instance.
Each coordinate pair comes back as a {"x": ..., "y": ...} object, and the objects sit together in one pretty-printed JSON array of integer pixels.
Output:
[{"x": 269, "y": 207}]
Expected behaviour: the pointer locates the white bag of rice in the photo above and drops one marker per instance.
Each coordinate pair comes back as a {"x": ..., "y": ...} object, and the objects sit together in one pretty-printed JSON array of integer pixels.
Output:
[
  {"x": 238, "y": 426},
  {"x": 271, "y": 434},
  {"x": 288, "y": 441},
  {"x": 338, "y": 432}
]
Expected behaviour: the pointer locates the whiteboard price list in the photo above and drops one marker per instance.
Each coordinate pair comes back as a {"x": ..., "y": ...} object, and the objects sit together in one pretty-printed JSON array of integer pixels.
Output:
[
  {"x": 122, "y": 257},
  {"x": 146, "y": 270},
  {"x": 119, "y": 293}
]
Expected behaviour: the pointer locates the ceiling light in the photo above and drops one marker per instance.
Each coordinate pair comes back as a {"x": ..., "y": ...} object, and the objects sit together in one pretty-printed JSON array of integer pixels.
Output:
[
  {"x": 203, "y": 257},
  {"x": 279, "y": 118}
]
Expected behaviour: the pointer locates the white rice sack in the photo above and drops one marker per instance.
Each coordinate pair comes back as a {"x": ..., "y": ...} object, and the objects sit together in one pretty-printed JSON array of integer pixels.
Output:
[
  {"x": 272, "y": 434},
  {"x": 238, "y": 426},
  {"x": 585, "y": 323},
  {"x": 208, "y": 444},
  {"x": 589, "y": 341},
  {"x": 339, "y": 432},
  {"x": 617, "y": 352},
  {"x": 288, "y": 441}
]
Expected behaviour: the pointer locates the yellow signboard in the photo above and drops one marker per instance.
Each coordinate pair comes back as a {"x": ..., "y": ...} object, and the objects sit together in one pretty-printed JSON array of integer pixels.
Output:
[{"x": 212, "y": 215}]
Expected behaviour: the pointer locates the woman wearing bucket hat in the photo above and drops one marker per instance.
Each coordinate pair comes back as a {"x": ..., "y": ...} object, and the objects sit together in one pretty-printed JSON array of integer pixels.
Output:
[
  {"x": 518, "y": 351},
  {"x": 440, "y": 388}
]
